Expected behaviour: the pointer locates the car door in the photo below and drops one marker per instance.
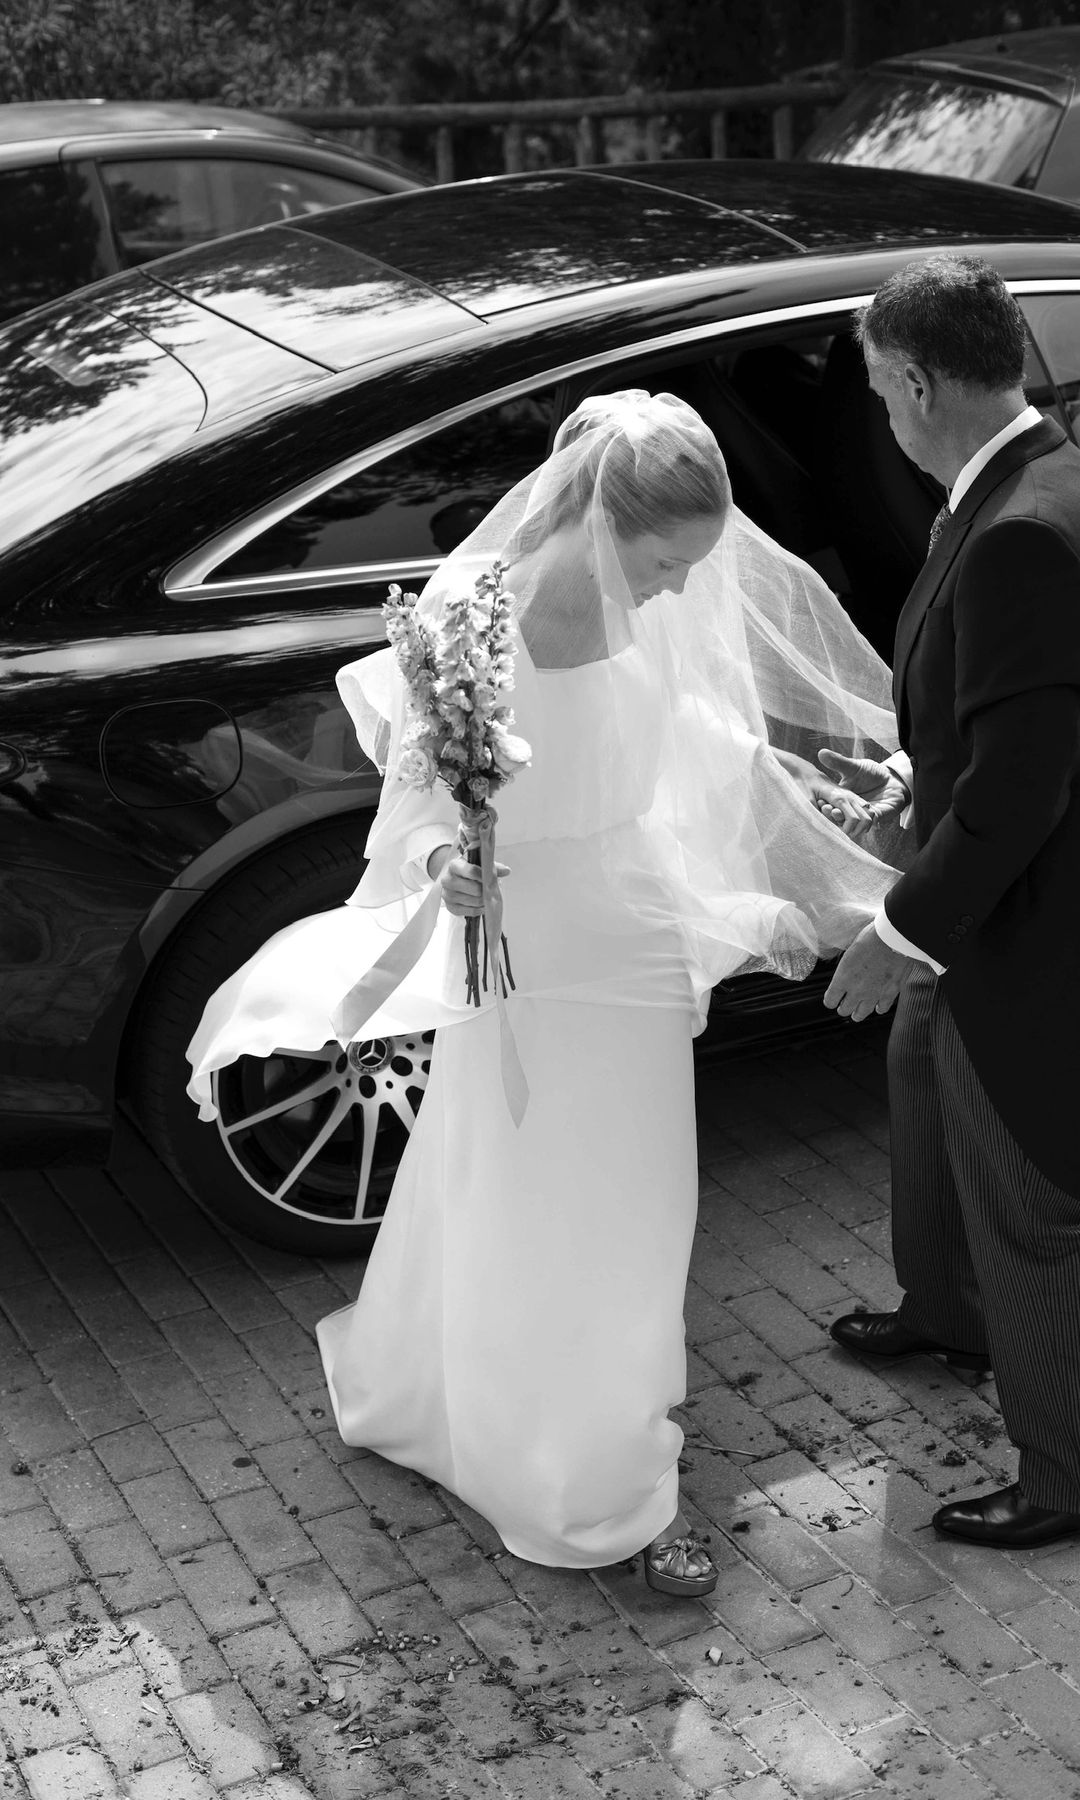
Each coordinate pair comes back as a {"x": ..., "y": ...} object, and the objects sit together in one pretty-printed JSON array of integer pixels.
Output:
[{"x": 55, "y": 235}]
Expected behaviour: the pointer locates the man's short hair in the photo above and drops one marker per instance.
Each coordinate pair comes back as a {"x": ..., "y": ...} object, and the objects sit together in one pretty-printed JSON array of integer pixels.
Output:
[{"x": 954, "y": 316}]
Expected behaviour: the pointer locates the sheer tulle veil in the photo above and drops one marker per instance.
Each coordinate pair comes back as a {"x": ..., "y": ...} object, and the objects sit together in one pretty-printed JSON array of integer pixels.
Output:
[{"x": 708, "y": 841}]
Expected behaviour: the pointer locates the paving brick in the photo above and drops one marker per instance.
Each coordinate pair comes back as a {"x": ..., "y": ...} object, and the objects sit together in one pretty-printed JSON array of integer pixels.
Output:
[
  {"x": 851, "y": 1614},
  {"x": 173, "y": 1649},
  {"x": 36, "y": 1554},
  {"x": 35, "y": 1423},
  {"x": 219, "y": 1589},
  {"x": 79, "y": 1490},
  {"x": 124, "y": 1563},
  {"x": 239, "y": 1296},
  {"x": 167, "y": 1391},
  {"x": 135, "y": 1450},
  {"x": 75, "y": 1772},
  {"x": 842, "y": 1692},
  {"x": 80, "y": 1637},
  {"x": 944, "y": 1699},
  {"x": 706, "y": 1318},
  {"x": 214, "y": 1457},
  {"x": 738, "y": 1684},
  {"x": 758, "y": 1616},
  {"x": 41, "y": 1316},
  {"x": 897, "y": 1574},
  {"x": 36, "y": 1710},
  {"x": 226, "y": 1733},
  {"x": 703, "y": 1750},
  {"x": 317, "y": 1608},
  {"x": 853, "y": 1389},
  {"x": 311, "y": 1300},
  {"x": 749, "y": 1365},
  {"x": 785, "y": 1328},
  {"x": 287, "y": 1354},
  {"x": 512, "y": 1639},
  {"x": 651, "y": 1614},
  {"x": 362, "y": 1557},
  {"x": 259, "y": 1526},
  {"x": 119, "y": 1326},
  {"x": 735, "y": 1425},
  {"x": 205, "y": 1342},
  {"x": 271, "y": 1666},
  {"x": 1046, "y": 1706},
  {"x": 805, "y": 1283},
  {"x": 170, "y": 1512},
  {"x": 732, "y": 1225},
  {"x": 975, "y": 1642},
  {"x": 915, "y": 1766},
  {"x": 559, "y": 1597},
  {"x": 407, "y": 1617},
  {"x": 102, "y": 1211},
  {"x": 845, "y": 1200},
  {"x": 1051, "y": 1628},
  {"x": 19, "y": 1266},
  {"x": 853, "y": 1153},
  {"x": 169, "y": 1781},
  {"x": 805, "y": 1492},
  {"x": 651, "y": 1780},
  {"x": 301, "y": 1472},
  {"x": 809, "y": 1756},
  {"x": 404, "y": 1501},
  {"x": 37, "y": 1209},
  {"x": 18, "y": 1489},
  {"x": 89, "y": 1388},
  {"x": 252, "y": 1406},
  {"x": 128, "y": 1720},
  {"x": 159, "y": 1286},
  {"x": 455, "y": 1569},
  {"x": 791, "y": 1555},
  {"x": 423, "y": 1771},
  {"x": 1018, "y": 1764}
]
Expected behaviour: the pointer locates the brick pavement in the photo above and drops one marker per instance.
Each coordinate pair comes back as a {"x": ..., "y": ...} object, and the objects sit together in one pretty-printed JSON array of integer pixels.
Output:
[{"x": 204, "y": 1594}]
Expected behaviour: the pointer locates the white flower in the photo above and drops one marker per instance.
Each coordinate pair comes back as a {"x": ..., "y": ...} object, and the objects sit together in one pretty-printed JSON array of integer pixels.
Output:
[
  {"x": 510, "y": 753},
  {"x": 416, "y": 768}
]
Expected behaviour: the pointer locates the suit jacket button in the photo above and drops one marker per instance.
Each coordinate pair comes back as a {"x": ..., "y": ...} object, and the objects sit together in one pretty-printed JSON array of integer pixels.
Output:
[
  {"x": 953, "y": 937},
  {"x": 966, "y": 919}
]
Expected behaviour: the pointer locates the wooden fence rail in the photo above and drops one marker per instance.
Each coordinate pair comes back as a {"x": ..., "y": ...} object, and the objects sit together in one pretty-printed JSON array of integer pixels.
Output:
[{"x": 586, "y": 115}]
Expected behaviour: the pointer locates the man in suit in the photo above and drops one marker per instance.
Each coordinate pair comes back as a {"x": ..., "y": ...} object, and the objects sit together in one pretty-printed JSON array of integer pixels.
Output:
[{"x": 979, "y": 937}]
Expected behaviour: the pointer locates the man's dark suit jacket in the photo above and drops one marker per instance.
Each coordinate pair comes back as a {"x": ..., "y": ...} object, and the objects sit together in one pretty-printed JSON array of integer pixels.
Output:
[{"x": 987, "y": 691}]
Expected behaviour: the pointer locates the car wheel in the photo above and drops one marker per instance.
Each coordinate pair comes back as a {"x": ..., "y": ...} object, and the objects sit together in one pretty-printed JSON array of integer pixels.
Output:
[{"x": 306, "y": 1145}]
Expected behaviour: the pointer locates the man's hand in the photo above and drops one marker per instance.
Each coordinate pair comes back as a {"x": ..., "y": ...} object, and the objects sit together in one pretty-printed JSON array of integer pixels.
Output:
[
  {"x": 881, "y": 793},
  {"x": 867, "y": 978},
  {"x": 841, "y": 806}
]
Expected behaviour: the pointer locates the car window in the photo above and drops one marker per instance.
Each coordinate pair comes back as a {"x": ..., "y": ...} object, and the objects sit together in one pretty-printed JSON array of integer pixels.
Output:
[
  {"x": 939, "y": 127},
  {"x": 1054, "y": 321},
  {"x": 51, "y": 240},
  {"x": 167, "y": 204},
  {"x": 86, "y": 402},
  {"x": 417, "y": 503}
]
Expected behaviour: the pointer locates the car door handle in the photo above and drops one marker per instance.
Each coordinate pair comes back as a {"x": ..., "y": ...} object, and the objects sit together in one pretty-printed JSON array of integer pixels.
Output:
[{"x": 12, "y": 763}]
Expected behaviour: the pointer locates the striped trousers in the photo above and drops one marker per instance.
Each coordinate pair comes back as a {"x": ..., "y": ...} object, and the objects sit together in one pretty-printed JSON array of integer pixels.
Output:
[{"x": 986, "y": 1248}]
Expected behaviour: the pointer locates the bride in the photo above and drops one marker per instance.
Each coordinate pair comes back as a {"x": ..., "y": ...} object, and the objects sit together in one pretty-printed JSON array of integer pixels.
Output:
[{"x": 518, "y": 1336}]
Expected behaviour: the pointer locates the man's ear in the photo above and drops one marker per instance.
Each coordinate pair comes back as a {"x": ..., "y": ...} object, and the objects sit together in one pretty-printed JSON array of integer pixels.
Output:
[{"x": 919, "y": 385}]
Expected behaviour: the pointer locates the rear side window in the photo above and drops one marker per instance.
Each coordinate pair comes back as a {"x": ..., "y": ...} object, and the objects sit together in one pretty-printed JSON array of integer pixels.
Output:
[
  {"x": 416, "y": 504},
  {"x": 166, "y": 204},
  {"x": 50, "y": 242},
  {"x": 1054, "y": 320}
]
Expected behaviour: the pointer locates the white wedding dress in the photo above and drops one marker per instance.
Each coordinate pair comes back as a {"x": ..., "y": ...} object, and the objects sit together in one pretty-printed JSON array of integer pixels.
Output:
[{"x": 518, "y": 1336}]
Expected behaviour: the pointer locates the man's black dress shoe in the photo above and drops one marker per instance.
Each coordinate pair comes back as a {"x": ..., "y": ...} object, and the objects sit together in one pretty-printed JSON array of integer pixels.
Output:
[
  {"x": 1005, "y": 1518},
  {"x": 883, "y": 1334}
]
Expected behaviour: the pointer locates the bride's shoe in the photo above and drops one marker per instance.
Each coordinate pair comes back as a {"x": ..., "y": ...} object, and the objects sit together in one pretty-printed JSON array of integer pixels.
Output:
[{"x": 680, "y": 1565}]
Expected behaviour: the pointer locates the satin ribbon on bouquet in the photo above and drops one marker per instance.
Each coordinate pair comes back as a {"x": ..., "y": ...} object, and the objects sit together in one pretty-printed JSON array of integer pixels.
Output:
[{"x": 476, "y": 839}]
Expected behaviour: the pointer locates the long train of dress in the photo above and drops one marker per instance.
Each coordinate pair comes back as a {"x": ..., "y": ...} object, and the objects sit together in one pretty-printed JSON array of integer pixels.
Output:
[{"x": 518, "y": 1335}]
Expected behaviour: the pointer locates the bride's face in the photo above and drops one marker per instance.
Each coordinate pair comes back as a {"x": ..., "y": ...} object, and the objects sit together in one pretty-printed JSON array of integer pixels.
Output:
[{"x": 659, "y": 563}]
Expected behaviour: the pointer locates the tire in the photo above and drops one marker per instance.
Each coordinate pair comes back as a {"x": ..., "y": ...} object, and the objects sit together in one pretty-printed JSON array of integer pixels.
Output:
[{"x": 314, "y": 1176}]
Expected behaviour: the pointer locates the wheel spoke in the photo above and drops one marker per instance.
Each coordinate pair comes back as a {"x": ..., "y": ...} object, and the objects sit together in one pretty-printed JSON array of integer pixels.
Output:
[
  {"x": 327, "y": 1130},
  {"x": 398, "y": 1099},
  {"x": 321, "y": 1085},
  {"x": 369, "y": 1111}
]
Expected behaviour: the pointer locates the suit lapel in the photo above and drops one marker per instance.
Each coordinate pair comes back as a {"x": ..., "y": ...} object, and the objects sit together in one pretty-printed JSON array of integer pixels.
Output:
[{"x": 1012, "y": 456}]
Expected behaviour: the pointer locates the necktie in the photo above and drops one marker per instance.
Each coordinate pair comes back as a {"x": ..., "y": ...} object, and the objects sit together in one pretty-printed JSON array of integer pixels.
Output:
[{"x": 938, "y": 526}]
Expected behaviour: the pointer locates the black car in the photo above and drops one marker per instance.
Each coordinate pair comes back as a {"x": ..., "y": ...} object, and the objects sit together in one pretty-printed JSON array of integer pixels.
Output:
[
  {"x": 1003, "y": 109},
  {"x": 91, "y": 186},
  {"x": 212, "y": 468}
]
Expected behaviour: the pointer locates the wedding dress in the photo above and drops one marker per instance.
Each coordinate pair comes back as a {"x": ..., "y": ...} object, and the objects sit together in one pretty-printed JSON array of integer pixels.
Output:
[{"x": 518, "y": 1335}]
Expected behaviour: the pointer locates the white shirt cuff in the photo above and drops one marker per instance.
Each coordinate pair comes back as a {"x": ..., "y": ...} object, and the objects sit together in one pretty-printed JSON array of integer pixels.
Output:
[
  {"x": 900, "y": 764},
  {"x": 895, "y": 940}
]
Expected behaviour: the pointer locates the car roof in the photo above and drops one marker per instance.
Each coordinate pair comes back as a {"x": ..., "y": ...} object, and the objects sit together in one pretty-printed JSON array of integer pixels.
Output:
[
  {"x": 362, "y": 282},
  {"x": 1048, "y": 60},
  {"x": 28, "y": 121}
]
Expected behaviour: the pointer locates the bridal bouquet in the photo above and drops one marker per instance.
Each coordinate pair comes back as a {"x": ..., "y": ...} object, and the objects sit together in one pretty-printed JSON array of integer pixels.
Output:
[{"x": 458, "y": 677}]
